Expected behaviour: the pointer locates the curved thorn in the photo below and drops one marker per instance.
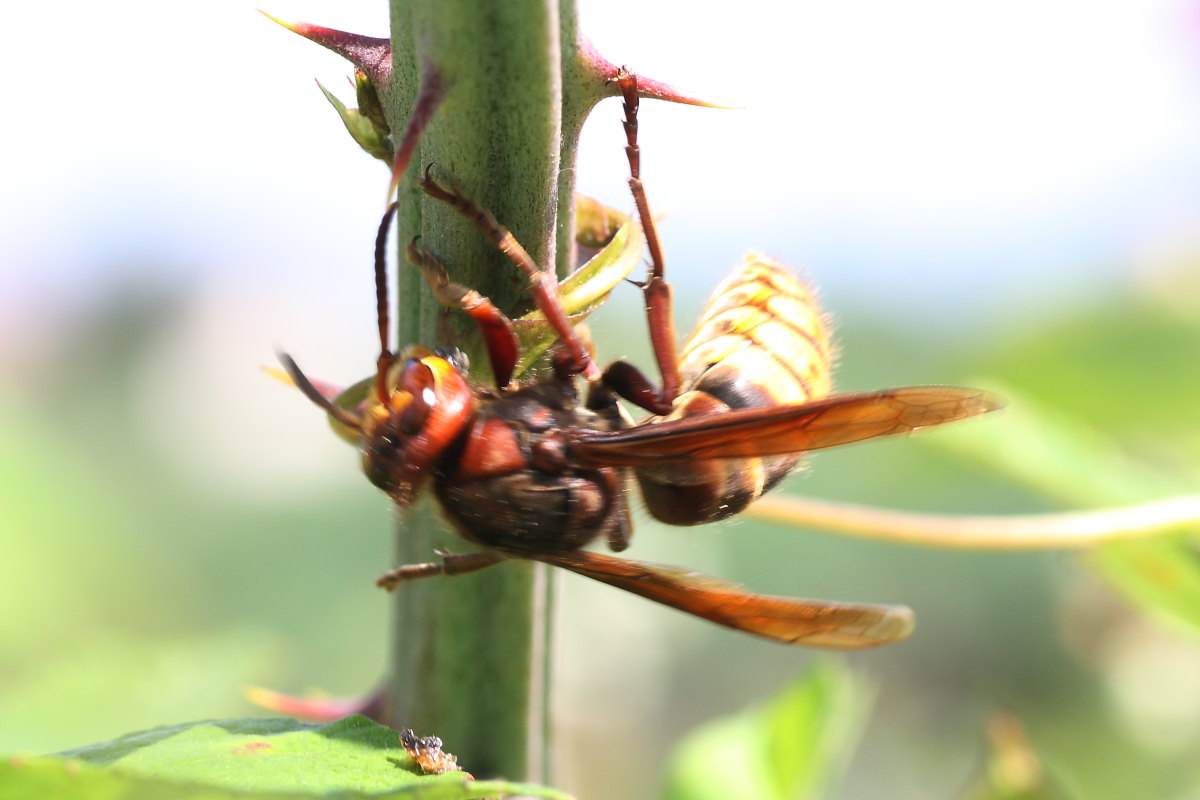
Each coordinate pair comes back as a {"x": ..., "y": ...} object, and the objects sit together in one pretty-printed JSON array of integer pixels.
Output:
[
  {"x": 606, "y": 71},
  {"x": 370, "y": 54}
]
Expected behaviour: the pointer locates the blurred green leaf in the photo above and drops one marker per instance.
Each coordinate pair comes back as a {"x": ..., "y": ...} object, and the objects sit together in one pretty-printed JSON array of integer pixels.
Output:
[
  {"x": 1123, "y": 365},
  {"x": 789, "y": 749},
  {"x": 595, "y": 223},
  {"x": 351, "y": 399},
  {"x": 261, "y": 758},
  {"x": 1013, "y": 770},
  {"x": 146, "y": 679},
  {"x": 1050, "y": 450},
  {"x": 1160, "y": 574},
  {"x": 50, "y": 541},
  {"x": 1076, "y": 464}
]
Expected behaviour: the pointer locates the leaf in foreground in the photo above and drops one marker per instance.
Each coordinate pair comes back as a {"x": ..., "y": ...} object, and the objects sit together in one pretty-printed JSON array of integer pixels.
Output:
[{"x": 261, "y": 758}]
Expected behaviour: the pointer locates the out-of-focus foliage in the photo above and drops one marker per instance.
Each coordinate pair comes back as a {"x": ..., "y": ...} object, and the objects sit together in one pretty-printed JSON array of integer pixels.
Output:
[
  {"x": 1063, "y": 458},
  {"x": 135, "y": 595},
  {"x": 797, "y": 745},
  {"x": 791, "y": 748},
  {"x": 1013, "y": 770},
  {"x": 1106, "y": 415},
  {"x": 142, "y": 595}
]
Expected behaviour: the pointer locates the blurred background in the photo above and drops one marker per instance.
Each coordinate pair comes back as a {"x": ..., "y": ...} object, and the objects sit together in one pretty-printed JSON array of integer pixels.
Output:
[{"x": 997, "y": 194}]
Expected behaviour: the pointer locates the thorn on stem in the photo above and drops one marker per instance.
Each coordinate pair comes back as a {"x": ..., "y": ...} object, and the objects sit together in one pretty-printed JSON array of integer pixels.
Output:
[
  {"x": 609, "y": 73},
  {"x": 371, "y": 54}
]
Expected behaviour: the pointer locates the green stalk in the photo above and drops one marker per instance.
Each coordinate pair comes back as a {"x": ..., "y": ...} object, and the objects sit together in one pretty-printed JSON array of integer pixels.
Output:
[
  {"x": 468, "y": 659},
  {"x": 470, "y": 655}
]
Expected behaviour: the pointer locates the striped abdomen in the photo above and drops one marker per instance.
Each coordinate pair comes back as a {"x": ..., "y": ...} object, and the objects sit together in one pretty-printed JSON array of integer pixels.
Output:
[{"x": 760, "y": 342}]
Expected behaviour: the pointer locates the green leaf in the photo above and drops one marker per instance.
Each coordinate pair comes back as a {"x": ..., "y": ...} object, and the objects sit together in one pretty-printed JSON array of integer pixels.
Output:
[
  {"x": 362, "y": 128},
  {"x": 1062, "y": 458},
  {"x": 584, "y": 290},
  {"x": 371, "y": 108},
  {"x": 243, "y": 758},
  {"x": 789, "y": 749},
  {"x": 44, "y": 777}
]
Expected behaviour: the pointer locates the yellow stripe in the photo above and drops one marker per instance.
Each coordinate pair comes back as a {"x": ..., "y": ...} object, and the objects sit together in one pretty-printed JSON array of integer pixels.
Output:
[{"x": 762, "y": 306}]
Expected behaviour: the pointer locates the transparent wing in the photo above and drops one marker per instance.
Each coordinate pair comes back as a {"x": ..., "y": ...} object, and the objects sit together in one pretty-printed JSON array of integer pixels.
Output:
[{"x": 777, "y": 430}]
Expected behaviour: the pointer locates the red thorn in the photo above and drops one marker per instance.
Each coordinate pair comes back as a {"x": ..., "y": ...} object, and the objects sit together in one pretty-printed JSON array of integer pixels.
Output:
[
  {"x": 607, "y": 71},
  {"x": 370, "y": 54},
  {"x": 316, "y": 708},
  {"x": 433, "y": 89}
]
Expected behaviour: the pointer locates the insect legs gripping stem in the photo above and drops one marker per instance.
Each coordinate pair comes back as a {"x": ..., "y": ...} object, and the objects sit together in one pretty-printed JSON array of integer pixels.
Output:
[{"x": 524, "y": 470}]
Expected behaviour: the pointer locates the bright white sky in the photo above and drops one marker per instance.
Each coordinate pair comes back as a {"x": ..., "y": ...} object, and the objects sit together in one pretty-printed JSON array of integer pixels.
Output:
[
  {"x": 968, "y": 157},
  {"x": 876, "y": 138}
]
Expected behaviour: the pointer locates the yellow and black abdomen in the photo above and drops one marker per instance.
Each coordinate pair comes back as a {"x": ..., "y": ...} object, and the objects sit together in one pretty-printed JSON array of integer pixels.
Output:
[{"x": 761, "y": 341}]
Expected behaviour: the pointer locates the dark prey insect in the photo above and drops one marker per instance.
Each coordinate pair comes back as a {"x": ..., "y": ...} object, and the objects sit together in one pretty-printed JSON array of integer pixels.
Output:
[{"x": 527, "y": 471}]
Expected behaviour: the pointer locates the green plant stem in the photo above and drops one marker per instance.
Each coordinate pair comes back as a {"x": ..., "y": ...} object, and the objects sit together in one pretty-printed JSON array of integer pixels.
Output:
[{"x": 468, "y": 659}]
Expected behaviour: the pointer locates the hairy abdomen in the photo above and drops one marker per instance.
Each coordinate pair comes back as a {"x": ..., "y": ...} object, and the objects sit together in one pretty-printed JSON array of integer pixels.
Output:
[{"x": 761, "y": 341}]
